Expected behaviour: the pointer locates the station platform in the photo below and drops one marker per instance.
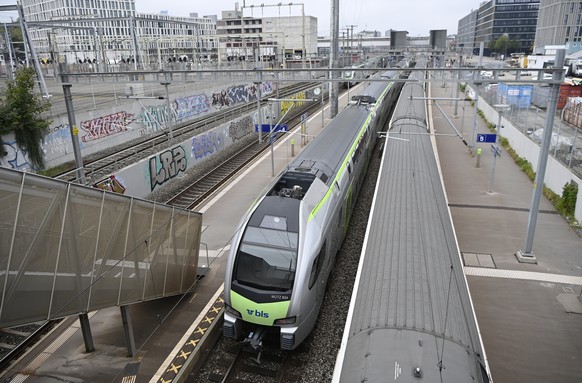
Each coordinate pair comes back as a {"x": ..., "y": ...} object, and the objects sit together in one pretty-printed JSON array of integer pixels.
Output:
[{"x": 530, "y": 315}]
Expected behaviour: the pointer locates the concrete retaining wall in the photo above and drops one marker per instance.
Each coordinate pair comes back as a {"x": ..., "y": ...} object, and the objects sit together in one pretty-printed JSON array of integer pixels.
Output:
[
  {"x": 557, "y": 175},
  {"x": 126, "y": 119}
]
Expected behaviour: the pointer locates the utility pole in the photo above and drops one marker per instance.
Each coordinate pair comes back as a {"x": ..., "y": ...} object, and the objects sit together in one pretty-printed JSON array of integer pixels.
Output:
[
  {"x": 350, "y": 29},
  {"x": 333, "y": 59},
  {"x": 79, "y": 167},
  {"x": 526, "y": 254}
]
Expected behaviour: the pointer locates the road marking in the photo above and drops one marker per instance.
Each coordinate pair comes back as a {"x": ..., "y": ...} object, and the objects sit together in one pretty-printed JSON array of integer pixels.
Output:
[
  {"x": 525, "y": 275},
  {"x": 397, "y": 370}
]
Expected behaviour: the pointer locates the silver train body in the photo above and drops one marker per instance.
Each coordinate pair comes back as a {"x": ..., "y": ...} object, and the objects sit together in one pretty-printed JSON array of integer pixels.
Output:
[
  {"x": 281, "y": 256},
  {"x": 351, "y": 76},
  {"x": 411, "y": 318}
]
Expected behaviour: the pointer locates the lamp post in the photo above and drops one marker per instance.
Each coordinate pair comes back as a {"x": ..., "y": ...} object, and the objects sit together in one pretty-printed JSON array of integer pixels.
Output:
[{"x": 496, "y": 151}]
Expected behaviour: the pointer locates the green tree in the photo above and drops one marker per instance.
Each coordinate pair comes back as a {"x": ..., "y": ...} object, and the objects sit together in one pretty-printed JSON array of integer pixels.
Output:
[
  {"x": 503, "y": 45},
  {"x": 21, "y": 114}
]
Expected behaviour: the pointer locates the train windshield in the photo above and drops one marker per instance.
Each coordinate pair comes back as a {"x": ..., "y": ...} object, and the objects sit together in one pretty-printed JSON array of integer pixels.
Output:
[{"x": 267, "y": 257}]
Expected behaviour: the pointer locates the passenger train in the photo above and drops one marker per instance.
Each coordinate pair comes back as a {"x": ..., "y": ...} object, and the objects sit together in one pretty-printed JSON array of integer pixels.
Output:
[
  {"x": 351, "y": 75},
  {"x": 411, "y": 317},
  {"x": 280, "y": 259}
]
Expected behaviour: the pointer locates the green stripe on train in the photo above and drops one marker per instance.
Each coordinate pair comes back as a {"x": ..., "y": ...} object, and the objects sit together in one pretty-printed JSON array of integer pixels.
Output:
[
  {"x": 259, "y": 313},
  {"x": 349, "y": 155}
]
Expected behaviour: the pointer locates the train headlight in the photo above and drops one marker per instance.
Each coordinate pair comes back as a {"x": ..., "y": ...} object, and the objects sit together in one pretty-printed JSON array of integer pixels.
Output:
[
  {"x": 232, "y": 311},
  {"x": 290, "y": 320}
]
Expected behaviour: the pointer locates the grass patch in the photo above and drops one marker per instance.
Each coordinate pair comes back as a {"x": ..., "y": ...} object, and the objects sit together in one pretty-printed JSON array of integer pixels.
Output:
[{"x": 57, "y": 170}]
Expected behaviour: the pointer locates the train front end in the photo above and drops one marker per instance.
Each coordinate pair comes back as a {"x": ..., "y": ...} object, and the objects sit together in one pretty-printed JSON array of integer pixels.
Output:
[{"x": 264, "y": 292}]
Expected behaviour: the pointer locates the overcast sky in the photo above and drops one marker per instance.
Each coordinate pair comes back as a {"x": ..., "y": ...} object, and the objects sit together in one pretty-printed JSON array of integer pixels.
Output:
[{"x": 417, "y": 17}]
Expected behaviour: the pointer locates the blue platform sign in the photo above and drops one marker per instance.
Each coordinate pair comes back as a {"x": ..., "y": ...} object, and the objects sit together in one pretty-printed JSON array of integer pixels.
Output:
[
  {"x": 266, "y": 128},
  {"x": 486, "y": 137}
]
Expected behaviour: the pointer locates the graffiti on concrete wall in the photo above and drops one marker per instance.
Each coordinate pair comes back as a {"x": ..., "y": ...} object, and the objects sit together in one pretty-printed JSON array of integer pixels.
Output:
[
  {"x": 240, "y": 128},
  {"x": 167, "y": 165},
  {"x": 191, "y": 106},
  {"x": 57, "y": 141},
  {"x": 266, "y": 88},
  {"x": 15, "y": 158},
  {"x": 286, "y": 105},
  {"x": 111, "y": 184},
  {"x": 105, "y": 126},
  {"x": 154, "y": 117},
  {"x": 206, "y": 144},
  {"x": 239, "y": 93}
]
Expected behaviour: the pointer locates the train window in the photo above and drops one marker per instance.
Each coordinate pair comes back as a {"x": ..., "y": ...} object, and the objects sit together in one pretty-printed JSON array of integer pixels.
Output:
[
  {"x": 267, "y": 257},
  {"x": 317, "y": 266},
  {"x": 313, "y": 275},
  {"x": 265, "y": 273}
]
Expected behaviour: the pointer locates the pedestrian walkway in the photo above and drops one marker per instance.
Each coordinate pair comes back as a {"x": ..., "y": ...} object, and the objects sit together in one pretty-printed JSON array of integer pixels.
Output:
[{"x": 528, "y": 313}]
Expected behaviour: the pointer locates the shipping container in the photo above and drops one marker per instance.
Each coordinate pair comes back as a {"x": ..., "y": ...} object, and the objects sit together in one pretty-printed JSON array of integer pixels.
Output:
[
  {"x": 567, "y": 91},
  {"x": 541, "y": 95},
  {"x": 519, "y": 95}
]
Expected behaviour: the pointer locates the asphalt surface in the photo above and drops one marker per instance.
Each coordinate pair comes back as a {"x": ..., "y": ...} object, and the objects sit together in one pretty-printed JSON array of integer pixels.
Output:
[{"x": 530, "y": 315}]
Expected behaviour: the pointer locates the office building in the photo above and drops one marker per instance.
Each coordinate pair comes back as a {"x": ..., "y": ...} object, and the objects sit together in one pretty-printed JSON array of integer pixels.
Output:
[
  {"x": 516, "y": 19},
  {"x": 559, "y": 23},
  {"x": 466, "y": 32}
]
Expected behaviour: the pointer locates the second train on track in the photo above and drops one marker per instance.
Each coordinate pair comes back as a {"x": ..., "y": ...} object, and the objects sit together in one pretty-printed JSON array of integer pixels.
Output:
[{"x": 282, "y": 255}]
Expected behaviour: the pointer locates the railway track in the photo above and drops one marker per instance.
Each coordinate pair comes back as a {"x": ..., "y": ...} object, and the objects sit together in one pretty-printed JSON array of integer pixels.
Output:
[
  {"x": 14, "y": 341},
  {"x": 111, "y": 161},
  {"x": 208, "y": 183},
  {"x": 240, "y": 364},
  {"x": 195, "y": 193}
]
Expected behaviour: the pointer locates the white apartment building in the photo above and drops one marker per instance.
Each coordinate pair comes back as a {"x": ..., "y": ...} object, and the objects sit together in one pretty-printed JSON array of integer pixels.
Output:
[
  {"x": 111, "y": 31},
  {"x": 273, "y": 39}
]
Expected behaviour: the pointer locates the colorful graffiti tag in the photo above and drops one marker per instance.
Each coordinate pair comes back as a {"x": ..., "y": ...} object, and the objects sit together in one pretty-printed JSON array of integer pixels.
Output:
[
  {"x": 154, "y": 117},
  {"x": 206, "y": 144},
  {"x": 58, "y": 141},
  {"x": 167, "y": 165},
  {"x": 286, "y": 105},
  {"x": 111, "y": 184},
  {"x": 105, "y": 126},
  {"x": 191, "y": 106},
  {"x": 15, "y": 158},
  {"x": 240, "y": 128},
  {"x": 239, "y": 93}
]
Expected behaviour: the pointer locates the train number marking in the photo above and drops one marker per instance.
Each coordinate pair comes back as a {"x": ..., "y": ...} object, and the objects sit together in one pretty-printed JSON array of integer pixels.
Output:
[{"x": 397, "y": 370}]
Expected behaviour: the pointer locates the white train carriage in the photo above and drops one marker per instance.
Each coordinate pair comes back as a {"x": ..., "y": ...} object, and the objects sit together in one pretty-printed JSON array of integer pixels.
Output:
[{"x": 281, "y": 257}]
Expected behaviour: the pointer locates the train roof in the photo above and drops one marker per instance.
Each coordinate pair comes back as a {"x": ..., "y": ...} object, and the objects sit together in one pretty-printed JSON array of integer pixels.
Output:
[
  {"x": 325, "y": 155},
  {"x": 411, "y": 308}
]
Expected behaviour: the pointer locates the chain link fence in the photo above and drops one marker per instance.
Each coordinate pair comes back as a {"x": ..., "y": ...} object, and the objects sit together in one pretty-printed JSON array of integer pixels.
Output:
[{"x": 528, "y": 104}]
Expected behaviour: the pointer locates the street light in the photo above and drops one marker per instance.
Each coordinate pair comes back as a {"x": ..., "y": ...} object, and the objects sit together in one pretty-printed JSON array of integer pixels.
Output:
[{"x": 496, "y": 151}]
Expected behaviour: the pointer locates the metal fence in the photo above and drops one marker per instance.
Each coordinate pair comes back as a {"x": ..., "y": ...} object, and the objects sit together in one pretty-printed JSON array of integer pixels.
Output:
[{"x": 528, "y": 113}]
